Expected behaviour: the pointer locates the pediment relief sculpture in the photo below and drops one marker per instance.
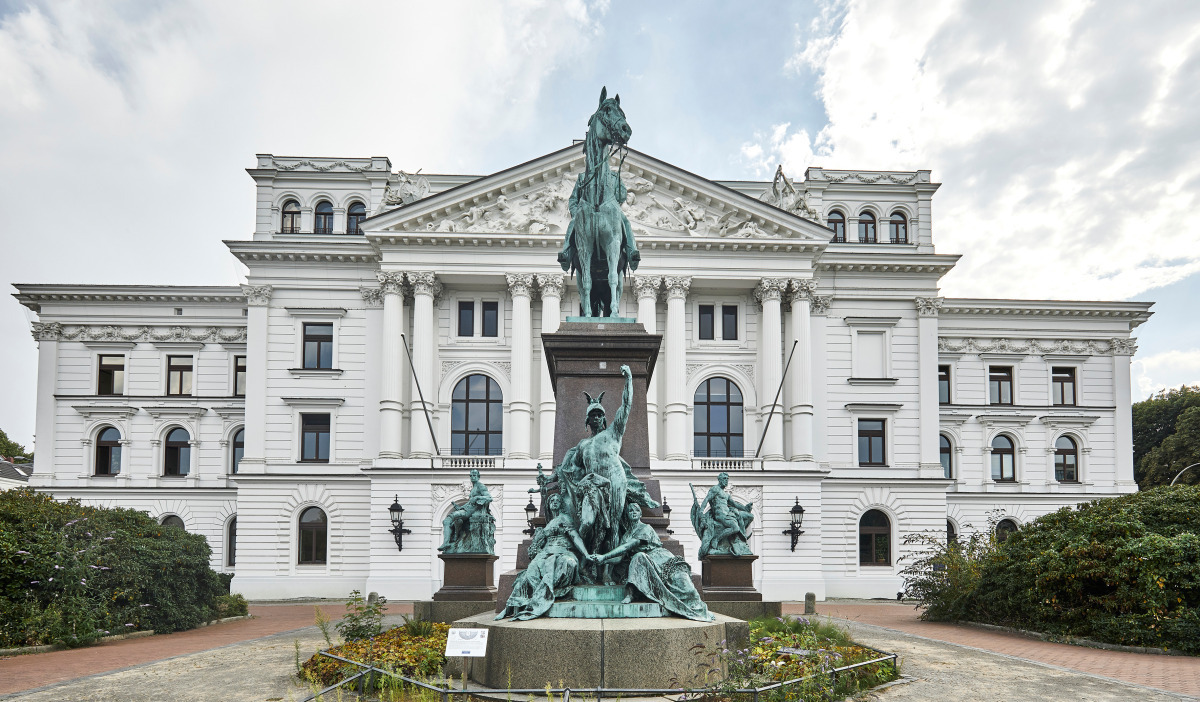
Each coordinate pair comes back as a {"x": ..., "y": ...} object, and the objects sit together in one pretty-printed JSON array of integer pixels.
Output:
[{"x": 784, "y": 195}]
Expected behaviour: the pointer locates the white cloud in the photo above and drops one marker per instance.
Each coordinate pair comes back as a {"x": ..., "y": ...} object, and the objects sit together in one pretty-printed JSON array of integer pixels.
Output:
[
  {"x": 1168, "y": 369},
  {"x": 1065, "y": 134}
]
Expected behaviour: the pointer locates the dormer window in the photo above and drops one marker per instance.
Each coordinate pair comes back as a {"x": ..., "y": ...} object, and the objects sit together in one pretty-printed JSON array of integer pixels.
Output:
[
  {"x": 291, "y": 218},
  {"x": 323, "y": 224},
  {"x": 866, "y": 228},
  {"x": 354, "y": 217},
  {"x": 898, "y": 229},
  {"x": 837, "y": 222}
]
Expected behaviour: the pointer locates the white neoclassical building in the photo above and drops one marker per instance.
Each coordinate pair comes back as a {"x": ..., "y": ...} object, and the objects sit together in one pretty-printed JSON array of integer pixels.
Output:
[{"x": 386, "y": 341}]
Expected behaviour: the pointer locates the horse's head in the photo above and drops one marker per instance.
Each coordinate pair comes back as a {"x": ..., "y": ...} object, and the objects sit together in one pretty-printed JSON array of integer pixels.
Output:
[{"x": 608, "y": 123}]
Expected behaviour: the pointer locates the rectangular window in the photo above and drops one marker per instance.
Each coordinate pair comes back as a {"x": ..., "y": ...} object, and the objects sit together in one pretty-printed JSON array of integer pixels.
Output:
[
  {"x": 239, "y": 376},
  {"x": 318, "y": 345},
  {"x": 111, "y": 376},
  {"x": 944, "y": 385},
  {"x": 491, "y": 319},
  {"x": 466, "y": 318},
  {"x": 707, "y": 323},
  {"x": 1063, "y": 380},
  {"x": 871, "y": 443},
  {"x": 179, "y": 375},
  {"x": 872, "y": 355},
  {"x": 729, "y": 325},
  {"x": 1000, "y": 385},
  {"x": 314, "y": 438}
]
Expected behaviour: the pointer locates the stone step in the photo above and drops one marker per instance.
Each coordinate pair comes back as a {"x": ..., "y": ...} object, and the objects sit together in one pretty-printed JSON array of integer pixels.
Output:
[
  {"x": 569, "y": 609},
  {"x": 598, "y": 593}
]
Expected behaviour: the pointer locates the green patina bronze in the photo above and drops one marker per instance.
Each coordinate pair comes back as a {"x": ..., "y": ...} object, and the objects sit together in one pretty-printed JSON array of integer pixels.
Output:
[
  {"x": 725, "y": 527},
  {"x": 470, "y": 526},
  {"x": 595, "y": 557},
  {"x": 599, "y": 245}
]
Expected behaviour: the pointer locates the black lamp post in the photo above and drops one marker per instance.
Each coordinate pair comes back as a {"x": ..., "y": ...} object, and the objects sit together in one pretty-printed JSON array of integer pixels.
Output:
[
  {"x": 396, "y": 512},
  {"x": 531, "y": 511},
  {"x": 794, "y": 531},
  {"x": 666, "y": 508}
]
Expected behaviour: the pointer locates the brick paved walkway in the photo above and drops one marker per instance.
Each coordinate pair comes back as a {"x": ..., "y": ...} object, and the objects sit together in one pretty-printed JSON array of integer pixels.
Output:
[
  {"x": 1180, "y": 674},
  {"x": 37, "y": 670}
]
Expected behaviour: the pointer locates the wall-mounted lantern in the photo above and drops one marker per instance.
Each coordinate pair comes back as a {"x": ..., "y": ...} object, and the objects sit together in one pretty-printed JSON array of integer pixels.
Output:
[
  {"x": 797, "y": 514},
  {"x": 396, "y": 512},
  {"x": 666, "y": 508},
  {"x": 531, "y": 511}
]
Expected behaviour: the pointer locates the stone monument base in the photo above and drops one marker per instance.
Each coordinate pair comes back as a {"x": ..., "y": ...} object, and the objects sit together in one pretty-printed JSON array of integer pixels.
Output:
[
  {"x": 656, "y": 653},
  {"x": 468, "y": 577},
  {"x": 449, "y": 611},
  {"x": 728, "y": 578},
  {"x": 602, "y": 602},
  {"x": 746, "y": 609}
]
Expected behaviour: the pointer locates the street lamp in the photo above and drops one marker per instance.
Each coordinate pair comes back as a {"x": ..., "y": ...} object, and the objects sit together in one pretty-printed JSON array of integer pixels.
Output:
[
  {"x": 531, "y": 511},
  {"x": 396, "y": 512},
  {"x": 1181, "y": 472},
  {"x": 797, "y": 514}
]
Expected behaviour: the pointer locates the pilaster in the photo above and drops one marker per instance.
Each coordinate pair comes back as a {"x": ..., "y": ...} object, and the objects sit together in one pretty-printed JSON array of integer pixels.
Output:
[
  {"x": 393, "y": 362},
  {"x": 258, "y": 301},
  {"x": 676, "y": 390}
]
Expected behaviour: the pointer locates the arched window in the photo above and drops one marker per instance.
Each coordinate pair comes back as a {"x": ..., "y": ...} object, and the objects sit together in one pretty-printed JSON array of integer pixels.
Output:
[
  {"x": 239, "y": 449},
  {"x": 323, "y": 223},
  {"x": 946, "y": 454},
  {"x": 108, "y": 451},
  {"x": 172, "y": 520},
  {"x": 1004, "y": 529},
  {"x": 837, "y": 222},
  {"x": 314, "y": 533},
  {"x": 231, "y": 543},
  {"x": 354, "y": 217},
  {"x": 717, "y": 420},
  {"x": 898, "y": 228},
  {"x": 874, "y": 539},
  {"x": 866, "y": 228},
  {"x": 1003, "y": 459},
  {"x": 177, "y": 459},
  {"x": 476, "y": 417},
  {"x": 951, "y": 533},
  {"x": 1066, "y": 460},
  {"x": 291, "y": 217}
]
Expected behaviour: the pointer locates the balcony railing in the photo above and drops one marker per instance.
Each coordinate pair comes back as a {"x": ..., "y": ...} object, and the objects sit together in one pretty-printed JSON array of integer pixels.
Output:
[
  {"x": 726, "y": 463},
  {"x": 470, "y": 461}
]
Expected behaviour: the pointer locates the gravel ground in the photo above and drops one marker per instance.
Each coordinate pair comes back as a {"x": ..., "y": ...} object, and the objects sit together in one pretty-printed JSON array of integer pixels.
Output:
[{"x": 263, "y": 670}]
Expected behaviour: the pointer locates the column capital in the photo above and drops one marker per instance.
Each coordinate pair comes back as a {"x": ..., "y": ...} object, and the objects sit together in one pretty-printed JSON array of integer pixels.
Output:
[
  {"x": 647, "y": 285},
  {"x": 257, "y": 295},
  {"x": 372, "y": 297},
  {"x": 820, "y": 303},
  {"x": 677, "y": 286},
  {"x": 391, "y": 282},
  {"x": 803, "y": 288},
  {"x": 47, "y": 331},
  {"x": 769, "y": 289},
  {"x": 425, "y": 283},
  {"x": 520, "y": 284},
  {"x": 1122, "y": 347},
  {"x": 551, "y": 284},
  {"x": 928, "y": 306}
]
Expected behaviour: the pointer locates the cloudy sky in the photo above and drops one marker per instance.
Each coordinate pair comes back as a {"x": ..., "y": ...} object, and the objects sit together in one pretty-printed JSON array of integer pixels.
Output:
[{"x": 1066, "y": 134}]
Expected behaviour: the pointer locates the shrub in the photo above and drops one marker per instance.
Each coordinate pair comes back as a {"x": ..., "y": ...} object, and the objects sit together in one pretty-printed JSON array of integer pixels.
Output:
[
  {"x": 70, "y": 574},
  {"x": 396, "y": 651},
  {"x": 1124, "y": 570},
  {"x": 363, "y": 619},
  {"x": 231, "y": 606}
]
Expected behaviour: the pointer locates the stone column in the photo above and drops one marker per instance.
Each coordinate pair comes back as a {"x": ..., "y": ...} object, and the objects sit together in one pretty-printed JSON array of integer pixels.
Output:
[
  {"x": 551, "y": 285},
  {"x": 647, "y": 296},
  {"x": 819, "y": 308},
  {"x": 258, "y": 300},
  {"x": 425, "y": 288},
  {"x": 770, "y": 292},
  {"x": 927, "y": 396},
  {"x": 677, "y": 443},
  {"x": 800, "y": 375},
  {"x": 520, "y": 405},
  {"x": 45, "y": 421},
  {"x": 392, "y": 363},
  {"x": 1122, "y": 351}
]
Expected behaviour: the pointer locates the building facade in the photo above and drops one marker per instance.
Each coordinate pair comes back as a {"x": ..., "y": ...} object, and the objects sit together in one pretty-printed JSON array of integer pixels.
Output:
[{"x": 386, "y": 341}]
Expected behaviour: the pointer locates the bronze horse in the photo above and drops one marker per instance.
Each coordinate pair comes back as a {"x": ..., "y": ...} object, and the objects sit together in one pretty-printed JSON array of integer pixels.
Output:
[{"x": 599, "y": 245}]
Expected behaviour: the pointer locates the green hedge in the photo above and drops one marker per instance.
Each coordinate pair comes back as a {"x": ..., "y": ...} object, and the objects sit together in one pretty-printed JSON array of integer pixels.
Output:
[
  {"x": 70, "y": 574},
  {"x": 1124, "y": 570}
]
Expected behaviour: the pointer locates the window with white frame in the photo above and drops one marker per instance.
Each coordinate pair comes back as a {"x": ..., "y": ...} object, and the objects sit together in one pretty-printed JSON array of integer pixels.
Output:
[
  {"x": 871, "y": 349},
  {"x": 872, "y": 442},
  {"x": 179, "y": 375},
  {"x": 717, "y": 322},
  {"x": 110, "y": 374},
  {"x": 477, "y": 319}
]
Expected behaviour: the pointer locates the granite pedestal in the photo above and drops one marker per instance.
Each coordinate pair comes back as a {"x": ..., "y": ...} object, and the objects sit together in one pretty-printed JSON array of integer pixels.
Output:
[
  {"x": 468, "y": 577},
  {"x": 728, "y": 578}
]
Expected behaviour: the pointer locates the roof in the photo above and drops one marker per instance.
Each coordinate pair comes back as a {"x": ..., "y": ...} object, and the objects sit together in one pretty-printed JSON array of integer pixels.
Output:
[{"x": 19, "y": 472}]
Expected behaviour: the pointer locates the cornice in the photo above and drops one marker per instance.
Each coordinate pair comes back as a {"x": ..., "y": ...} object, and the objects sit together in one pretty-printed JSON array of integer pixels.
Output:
[
  {"x": 33, "y": 296},
  {"x": 1135, "y": 312},
  {"x": 293, "y": 251},
  {"x": 554, "y": 241},
  {"x": 885, "y": 262}
]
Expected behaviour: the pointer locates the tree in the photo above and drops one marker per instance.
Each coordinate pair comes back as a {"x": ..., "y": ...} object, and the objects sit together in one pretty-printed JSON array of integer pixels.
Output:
[
  {"x": 1154, "y": 420},
  {"x": 11, "y": 449},
  {"x": 1180, "y": 449}
]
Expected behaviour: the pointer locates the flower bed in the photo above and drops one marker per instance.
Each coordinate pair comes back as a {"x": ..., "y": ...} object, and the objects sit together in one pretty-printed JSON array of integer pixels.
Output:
[{"x": 395, "y": 650}]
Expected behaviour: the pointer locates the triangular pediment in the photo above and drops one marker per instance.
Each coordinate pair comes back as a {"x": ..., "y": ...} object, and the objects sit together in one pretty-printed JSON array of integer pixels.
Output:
[{"x": 531, "y": 198}]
